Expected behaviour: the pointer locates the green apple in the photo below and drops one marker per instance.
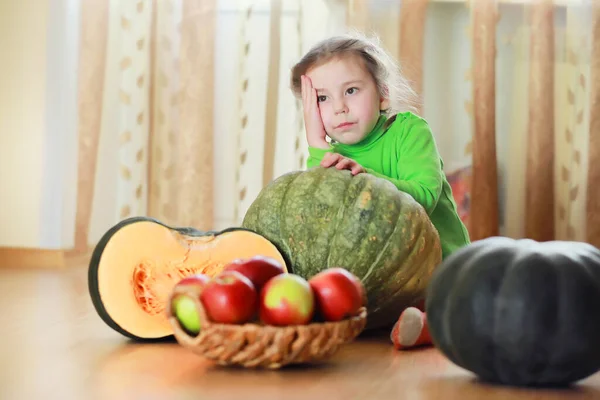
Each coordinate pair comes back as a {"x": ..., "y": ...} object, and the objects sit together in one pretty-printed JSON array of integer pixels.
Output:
[
  {"x": 286, "y": 299},
  {"x": 182, "y": 304},
  {"x": 184, "y": 309}
]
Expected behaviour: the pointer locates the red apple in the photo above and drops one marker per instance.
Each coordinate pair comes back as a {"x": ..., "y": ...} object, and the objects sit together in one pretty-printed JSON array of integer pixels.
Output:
[
  {"x": 259, "y": 269},
  {"x": 286, "y": 299},
  {"x": 229, "y": 298},
  {"x": 196, "y": 280},
  {"x": 339, "y": 294}
]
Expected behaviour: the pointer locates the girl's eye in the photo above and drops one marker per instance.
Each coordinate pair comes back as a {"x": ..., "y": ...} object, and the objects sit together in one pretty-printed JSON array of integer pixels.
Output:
[
  {"x": 321, "y": 98},
  {"x": 352, "y": 90}
]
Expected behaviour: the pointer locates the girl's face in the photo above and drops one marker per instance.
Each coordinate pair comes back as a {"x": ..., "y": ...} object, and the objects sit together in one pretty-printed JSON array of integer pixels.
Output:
[{"x": 348, "y": 99}]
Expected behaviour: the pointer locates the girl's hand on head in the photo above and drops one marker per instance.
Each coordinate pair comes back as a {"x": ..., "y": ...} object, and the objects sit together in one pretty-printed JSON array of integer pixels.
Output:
[
  {"x": 315, "y": 131},
  {"x": 341, "y": 162}
]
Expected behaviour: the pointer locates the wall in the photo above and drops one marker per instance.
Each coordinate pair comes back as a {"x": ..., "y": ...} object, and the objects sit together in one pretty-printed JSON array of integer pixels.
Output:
[
  {"x": 22, "y": 110},
  {"x": 37, "y": 123},
  {"x": 59, "y": 180}
]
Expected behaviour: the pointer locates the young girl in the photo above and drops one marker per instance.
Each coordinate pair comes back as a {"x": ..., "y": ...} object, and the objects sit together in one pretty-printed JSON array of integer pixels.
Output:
[{"x": 353, "y": 93}]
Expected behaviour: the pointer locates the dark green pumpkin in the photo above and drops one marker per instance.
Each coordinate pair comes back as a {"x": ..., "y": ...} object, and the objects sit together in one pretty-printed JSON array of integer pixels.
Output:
[
  {"x": 323, "y": 218},
  {"x": 519, "y": 312}
]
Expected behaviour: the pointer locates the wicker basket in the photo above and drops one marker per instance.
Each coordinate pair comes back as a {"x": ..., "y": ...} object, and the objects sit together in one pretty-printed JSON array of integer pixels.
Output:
[{"x": 253, "y": 345}]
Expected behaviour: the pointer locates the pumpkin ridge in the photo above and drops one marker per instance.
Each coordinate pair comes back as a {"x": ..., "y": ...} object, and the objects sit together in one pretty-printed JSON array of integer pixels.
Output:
[
  {"x": 339, "y": 218},
  {"x": 512, "y": 263},
  {"x": 446, "y": 321},
  {"x": 352, "y": 195},
  {"x": 402, "y": 283},
  {"x": 310, "y": 263},
  {"x": 375, "y": 274},
  {"x": 408, "y": 245},
  {"x": 439, "y": 299},
  {"x": 466, "y": 268},
  {"x": 259, "y": 218},
  {"x": 591, "y": 258},
  {"x": 314, "y": 186},
  {"x": 282, "y": 226},
  {"x": 365, "y": 187},
  {"x": 412, "y": 244},
  {"x": 554, "y": 258},
  {"x": 385, "y": 245},
  {"x": 562, "y": 309},
  {"x": 408, "y": 271},
  {"x": 585, "y": 262}
]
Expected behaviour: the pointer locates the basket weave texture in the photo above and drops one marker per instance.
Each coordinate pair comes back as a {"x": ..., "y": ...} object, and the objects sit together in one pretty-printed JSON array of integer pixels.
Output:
[{"x": 254, "y": 345}]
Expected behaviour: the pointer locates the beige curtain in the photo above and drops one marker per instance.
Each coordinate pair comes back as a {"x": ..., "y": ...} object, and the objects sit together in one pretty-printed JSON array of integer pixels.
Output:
[
  {"x": 186, "y": 113},
  {"x": 532, "y": 141},
  {"x": 146, "y": 114},
  {"x": 550, "y": 179},
  {"x": 92, "y": 59},
  {"x": 181, "y": 166}
]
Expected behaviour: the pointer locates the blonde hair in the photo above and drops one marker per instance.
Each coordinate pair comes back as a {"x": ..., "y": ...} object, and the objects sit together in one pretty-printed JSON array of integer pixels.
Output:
[{"x": 380, "y": 65}]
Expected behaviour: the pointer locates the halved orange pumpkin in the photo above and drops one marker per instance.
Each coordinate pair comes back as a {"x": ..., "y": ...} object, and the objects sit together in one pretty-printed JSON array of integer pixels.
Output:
[{"x": 137, "y": 262}]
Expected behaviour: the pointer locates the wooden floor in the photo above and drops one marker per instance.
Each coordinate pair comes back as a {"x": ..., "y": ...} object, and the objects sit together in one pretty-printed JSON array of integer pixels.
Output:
[{"x": 54, "y": 346}]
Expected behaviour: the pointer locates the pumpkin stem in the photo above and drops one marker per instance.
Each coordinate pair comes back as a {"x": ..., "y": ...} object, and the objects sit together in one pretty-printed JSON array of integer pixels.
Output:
[{"x": 411, "y": 330}]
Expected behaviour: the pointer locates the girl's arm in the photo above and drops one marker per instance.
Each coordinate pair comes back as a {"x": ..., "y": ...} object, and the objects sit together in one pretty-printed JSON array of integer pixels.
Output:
[
  {"x": 315, "y": 156},
  {"x": 419, "y": 168}
]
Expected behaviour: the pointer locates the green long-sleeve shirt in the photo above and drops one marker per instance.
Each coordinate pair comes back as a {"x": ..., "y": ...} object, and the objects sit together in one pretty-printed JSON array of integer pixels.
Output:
[{"x": 405, "y": 153}]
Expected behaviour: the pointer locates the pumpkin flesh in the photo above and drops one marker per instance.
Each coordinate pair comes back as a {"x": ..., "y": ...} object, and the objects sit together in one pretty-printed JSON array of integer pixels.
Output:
[{"x": 137, "y": 265}]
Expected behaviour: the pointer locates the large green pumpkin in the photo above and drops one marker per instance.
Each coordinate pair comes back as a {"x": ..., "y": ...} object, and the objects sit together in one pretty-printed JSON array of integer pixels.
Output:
[
  {"x": 324, "y": 217},
  {"x": 519, "y": 312}
]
